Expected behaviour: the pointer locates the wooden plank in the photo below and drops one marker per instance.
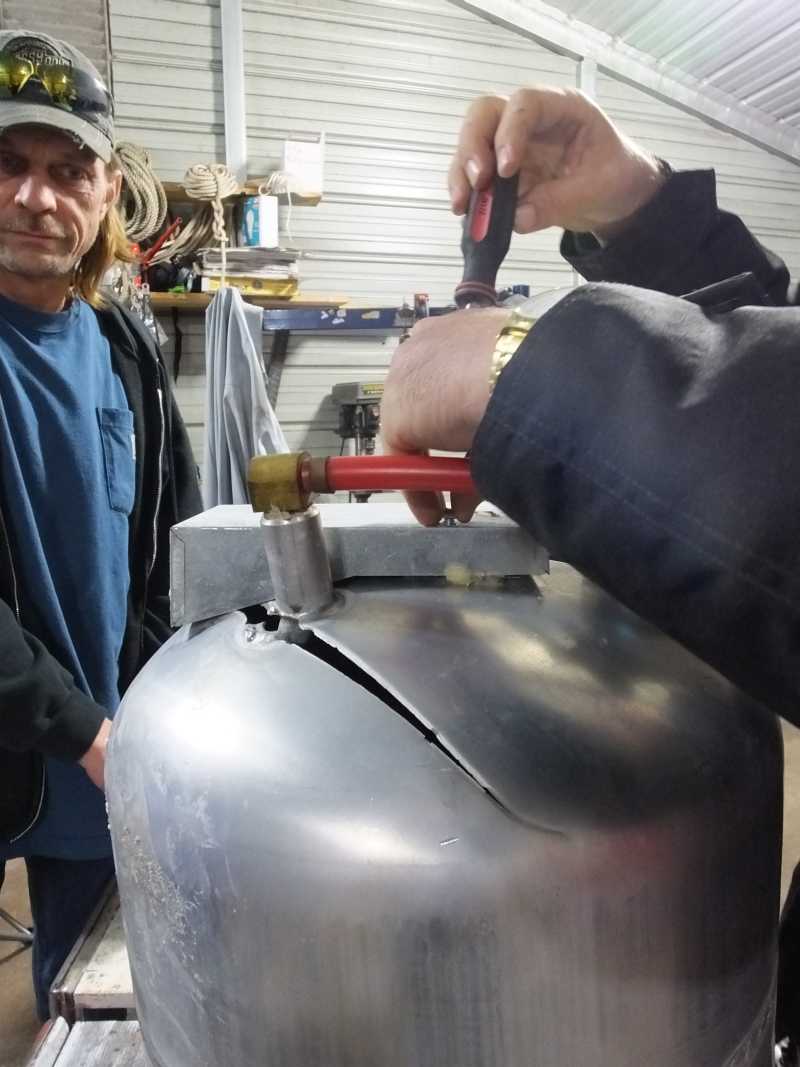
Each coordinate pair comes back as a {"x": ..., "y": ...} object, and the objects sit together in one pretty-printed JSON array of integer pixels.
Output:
[
  {"x": 198, "y": 301},
  {"x": 106, "y": 985},
  {"x": 63, "y": 988},
  {"x": 50, "y": 1044},
  {"x": 104, "y": 1044},
  {"x": 176, "y": 193}
]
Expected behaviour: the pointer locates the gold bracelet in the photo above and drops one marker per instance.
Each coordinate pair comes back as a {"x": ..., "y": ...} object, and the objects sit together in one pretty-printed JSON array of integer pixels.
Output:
[{"x": 508, "y": 341}]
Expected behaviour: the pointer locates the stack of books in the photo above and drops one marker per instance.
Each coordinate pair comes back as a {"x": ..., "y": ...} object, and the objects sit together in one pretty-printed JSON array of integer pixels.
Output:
[{"x": 254, "y": 271}]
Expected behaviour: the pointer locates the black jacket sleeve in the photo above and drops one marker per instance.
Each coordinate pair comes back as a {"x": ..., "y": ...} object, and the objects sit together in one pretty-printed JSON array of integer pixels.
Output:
[
  {"x": 654, "y": 446},
  {"x": 182, "y": 499},
  {"x": 42, "y": 708},
  {"x": 178, "y": 492},
  {"x": 679, "y": 242}
]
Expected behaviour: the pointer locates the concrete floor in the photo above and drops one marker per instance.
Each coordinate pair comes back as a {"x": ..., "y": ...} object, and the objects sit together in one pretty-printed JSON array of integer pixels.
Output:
[{"x": 18, "y": 1022}]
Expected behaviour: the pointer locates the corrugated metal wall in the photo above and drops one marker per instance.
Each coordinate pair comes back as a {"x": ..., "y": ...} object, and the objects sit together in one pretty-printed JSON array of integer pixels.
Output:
[
  {"x": 168, "y": 80},
  {"x": 388, "y": 82},
  {"x": 764, "y": 189},
  {"x": 84, "y": 23},
  {"x": 168, "y": 90}
]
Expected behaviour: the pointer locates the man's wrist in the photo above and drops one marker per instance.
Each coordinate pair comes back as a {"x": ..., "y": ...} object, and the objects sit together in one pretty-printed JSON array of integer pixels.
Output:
[
  {"x": 93, "y": 760},
  {"x": 98, "y": 745},
  {"x": 654, "y": 178}
]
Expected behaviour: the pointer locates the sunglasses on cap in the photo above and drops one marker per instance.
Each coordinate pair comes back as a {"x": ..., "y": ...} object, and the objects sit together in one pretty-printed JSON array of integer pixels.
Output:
[{"x": 51, "y": 82}]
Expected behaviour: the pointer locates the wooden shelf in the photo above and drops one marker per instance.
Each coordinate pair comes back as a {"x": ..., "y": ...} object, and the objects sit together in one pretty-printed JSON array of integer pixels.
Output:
[
  {"x": 176, "y": 194},
  {"x": 199, "y": 301}
]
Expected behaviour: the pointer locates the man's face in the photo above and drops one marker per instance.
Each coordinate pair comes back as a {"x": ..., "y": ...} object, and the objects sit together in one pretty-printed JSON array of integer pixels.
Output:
[{"x": 53, "y": 197}]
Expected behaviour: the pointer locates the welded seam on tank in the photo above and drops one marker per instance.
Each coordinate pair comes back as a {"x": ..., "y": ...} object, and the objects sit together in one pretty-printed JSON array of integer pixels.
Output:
[{"x": 414, "y": 719}]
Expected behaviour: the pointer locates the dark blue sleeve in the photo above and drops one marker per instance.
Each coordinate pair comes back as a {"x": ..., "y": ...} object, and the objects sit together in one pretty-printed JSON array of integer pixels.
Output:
[
  {"x": 679, "y": 242},
  {"x": 656, "y": 447}
]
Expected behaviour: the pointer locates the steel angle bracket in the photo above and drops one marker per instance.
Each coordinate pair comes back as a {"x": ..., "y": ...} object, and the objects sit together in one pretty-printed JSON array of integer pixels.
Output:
[{"x": 217, "y": 560}]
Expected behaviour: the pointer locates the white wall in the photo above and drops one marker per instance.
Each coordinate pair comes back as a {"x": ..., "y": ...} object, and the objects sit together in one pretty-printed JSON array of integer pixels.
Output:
[{"x": 388, "y": 82}]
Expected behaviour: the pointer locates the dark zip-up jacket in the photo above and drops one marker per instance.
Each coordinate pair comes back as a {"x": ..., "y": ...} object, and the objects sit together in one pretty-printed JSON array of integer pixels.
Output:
[
  {"x": 42, "y": 712},
  {"x": 654, "y": 444}
]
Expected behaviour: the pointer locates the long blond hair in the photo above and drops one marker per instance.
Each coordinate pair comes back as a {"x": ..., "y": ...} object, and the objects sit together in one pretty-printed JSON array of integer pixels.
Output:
[{"x": 110, "y": 246}]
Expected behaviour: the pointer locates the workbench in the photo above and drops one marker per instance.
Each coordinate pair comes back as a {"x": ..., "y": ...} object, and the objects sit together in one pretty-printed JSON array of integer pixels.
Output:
[
  {"x": 95, "y": 981},
  {"x": 91, "y": 1000},
  {"x": 92, "y": 1044}
]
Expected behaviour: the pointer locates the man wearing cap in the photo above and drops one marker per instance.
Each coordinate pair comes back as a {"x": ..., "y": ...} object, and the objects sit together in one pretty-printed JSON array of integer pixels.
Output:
[{"x": 95, "y": 467}]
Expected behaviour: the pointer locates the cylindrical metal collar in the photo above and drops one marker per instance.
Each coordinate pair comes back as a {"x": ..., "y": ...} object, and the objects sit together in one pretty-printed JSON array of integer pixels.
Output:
[{"x": 298, "y": 561}]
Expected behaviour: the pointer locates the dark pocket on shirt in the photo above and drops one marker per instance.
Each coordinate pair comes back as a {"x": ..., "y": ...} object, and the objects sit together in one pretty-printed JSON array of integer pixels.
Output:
[{"x": 116, "y": 433}]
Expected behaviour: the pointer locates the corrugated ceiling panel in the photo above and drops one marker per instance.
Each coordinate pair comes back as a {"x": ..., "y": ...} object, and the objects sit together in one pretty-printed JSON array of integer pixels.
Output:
[
  {"x": 84, "y": 23},
  {"x": 762, "y": 188},
  {"x": 747, "y": 49}
]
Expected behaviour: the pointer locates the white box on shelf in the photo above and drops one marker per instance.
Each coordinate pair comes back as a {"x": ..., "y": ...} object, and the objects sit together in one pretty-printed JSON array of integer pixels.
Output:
[
  {"x": 304, "y": 164},
  {"x": 260, "y": 221}
]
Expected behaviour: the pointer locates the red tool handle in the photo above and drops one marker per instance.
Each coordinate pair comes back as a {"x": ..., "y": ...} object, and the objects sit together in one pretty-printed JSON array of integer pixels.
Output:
[
  {"x": 485, "y": 241},
  {"x": 357, "y": 474},
  {"x": 160, "y": 242}
]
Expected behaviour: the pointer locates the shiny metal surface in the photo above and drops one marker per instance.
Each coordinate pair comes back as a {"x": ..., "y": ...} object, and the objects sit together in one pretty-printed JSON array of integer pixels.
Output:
[
  {"x": 555, "y": 680},
  {"x": 217, "y": 558},
  {"x": 308, "y": 880},
  {"x": 298, "y": 562}
]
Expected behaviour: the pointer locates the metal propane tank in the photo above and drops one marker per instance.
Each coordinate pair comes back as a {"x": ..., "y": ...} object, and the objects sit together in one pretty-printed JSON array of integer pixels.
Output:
[{"x": 439, "y": 806}]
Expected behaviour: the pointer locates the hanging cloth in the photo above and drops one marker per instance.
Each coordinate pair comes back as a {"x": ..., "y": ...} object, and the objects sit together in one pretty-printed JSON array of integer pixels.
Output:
[{"x": 240, "y": 421}]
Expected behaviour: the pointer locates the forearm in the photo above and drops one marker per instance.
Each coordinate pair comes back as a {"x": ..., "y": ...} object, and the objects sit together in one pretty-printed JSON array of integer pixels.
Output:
[
  {"x": 41, "y": 708},
  {"x": 681, "y": 241},
  {"x": 660, "y": 461}
]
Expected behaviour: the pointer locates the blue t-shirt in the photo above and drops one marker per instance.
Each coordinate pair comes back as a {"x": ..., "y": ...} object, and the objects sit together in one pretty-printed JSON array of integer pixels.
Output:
[{"x": 67, "y": 460}]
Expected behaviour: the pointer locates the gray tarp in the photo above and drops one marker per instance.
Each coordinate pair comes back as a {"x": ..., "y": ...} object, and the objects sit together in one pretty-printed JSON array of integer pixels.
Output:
[{"x": 240, "y": 422}]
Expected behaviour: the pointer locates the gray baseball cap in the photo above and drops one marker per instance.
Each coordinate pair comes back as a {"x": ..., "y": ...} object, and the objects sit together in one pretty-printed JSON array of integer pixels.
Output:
[{"x": 47, "y": 82}]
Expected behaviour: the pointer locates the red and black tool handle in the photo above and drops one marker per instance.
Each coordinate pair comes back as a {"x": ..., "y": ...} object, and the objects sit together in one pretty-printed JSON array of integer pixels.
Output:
[{"x": 485, "y": 241}]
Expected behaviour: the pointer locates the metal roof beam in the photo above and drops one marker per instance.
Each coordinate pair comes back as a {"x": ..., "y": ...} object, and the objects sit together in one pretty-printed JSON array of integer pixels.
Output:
[
  {"x": 233, "y": 90},
  {"x": 550, "y": 28}
]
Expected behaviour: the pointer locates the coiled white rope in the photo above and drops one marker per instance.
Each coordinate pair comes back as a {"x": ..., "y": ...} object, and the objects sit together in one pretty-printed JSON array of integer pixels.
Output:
[
  {"x": 213, "y": 183},
  {"x": 280, "y": 181},
  {"x": 143, "y": 202}
]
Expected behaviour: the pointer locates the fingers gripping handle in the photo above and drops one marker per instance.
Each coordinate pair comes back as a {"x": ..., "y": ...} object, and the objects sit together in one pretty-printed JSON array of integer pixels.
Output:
[{"x": 486, "y": 237}]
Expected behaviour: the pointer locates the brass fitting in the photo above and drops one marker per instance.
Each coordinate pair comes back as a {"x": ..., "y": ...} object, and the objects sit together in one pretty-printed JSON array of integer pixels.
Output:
[{"x": 276, "y": 482}]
